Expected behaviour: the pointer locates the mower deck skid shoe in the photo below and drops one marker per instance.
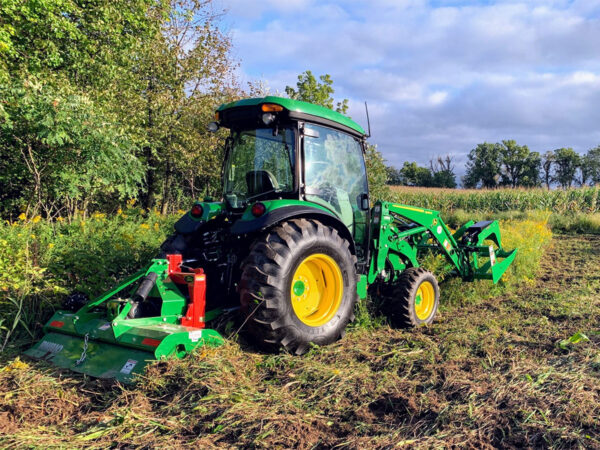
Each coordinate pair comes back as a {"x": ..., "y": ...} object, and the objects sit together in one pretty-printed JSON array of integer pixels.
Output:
[{"x": 102, "y": 340}]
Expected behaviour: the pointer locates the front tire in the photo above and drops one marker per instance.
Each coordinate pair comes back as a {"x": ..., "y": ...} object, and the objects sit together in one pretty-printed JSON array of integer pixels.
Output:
[
  {"x": 298, "y": 286},
  {"x": 413, "y": 299}
]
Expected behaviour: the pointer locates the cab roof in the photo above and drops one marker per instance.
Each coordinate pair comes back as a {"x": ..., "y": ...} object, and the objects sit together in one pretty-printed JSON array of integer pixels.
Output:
[{"x": 299, "y": 107}]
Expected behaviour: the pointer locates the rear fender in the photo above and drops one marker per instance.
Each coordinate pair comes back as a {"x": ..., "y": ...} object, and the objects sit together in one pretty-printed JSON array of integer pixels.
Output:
[{"x": 276, "y": 214}]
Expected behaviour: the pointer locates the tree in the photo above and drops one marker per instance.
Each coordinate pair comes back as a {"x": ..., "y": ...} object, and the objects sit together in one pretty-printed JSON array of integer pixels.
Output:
[
  {"x": 394, "y": 177},
  {"x": 442, "y": 171},
  {"x": 65, "y": 70},
  {"x": 308, "y": 89},
  {"x": 567, "y": 161},
  {"x": 530, "y": 170},
  {"x": 589, "y": 167},
  {"x": 414, "y": 175},
  {"x": 376, "y": 173},
  {"x": 66, "y": 152},
  {"x": 547, "y": 165},
  {"x": 593, "y": 161},
  {"x": 185, "y": 74},
  {"x": 483, "y": 166}
]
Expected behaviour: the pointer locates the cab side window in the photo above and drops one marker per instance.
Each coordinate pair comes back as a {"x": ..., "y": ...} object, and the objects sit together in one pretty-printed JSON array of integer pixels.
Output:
[{"x": 335, "y": 174}]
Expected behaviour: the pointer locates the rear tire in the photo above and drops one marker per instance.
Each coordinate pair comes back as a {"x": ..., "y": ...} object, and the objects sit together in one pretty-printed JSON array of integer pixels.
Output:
[
  {"x": 298, "y": 286},
  {"x": 413, "y": 299}
]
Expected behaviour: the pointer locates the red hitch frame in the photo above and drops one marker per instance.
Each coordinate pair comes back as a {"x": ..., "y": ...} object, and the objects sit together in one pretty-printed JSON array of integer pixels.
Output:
[{"x": 196, "y": 282}]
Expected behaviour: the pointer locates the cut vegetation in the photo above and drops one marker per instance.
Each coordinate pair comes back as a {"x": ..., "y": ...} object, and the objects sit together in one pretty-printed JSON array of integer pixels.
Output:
[{"x": 516, "y": 369}]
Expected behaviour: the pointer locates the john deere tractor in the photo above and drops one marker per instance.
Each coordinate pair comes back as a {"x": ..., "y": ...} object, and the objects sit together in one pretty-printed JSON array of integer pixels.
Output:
[{"x": 293, "y": 242}]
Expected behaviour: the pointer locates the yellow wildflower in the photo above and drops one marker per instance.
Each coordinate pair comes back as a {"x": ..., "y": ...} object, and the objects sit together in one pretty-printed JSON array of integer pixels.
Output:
[
  {"x": 130, "y": 202},
  {"x": 119, "y": 211},
  {"x": 156, "y": 227},
  {"x": 50, "y": 245},
  {"x": 32, "y": 236},
  {"x": 17, "y": 364},
  {"x": 181, "y": 211},
  {"x": 99, "y": 215},
  {"x": 22, "y": 216},
  {"x": 36, "y": 219},
  {"x": 60, "y": 219},
  {"x": 145, "y": 226}
]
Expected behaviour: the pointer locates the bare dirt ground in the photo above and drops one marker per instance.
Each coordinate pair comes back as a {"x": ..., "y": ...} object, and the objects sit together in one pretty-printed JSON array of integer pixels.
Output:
[{"x": 520, "y": 370}]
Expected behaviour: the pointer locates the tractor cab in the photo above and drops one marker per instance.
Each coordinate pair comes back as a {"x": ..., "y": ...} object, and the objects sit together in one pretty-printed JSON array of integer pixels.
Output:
[{"x": 286, "y": 149}]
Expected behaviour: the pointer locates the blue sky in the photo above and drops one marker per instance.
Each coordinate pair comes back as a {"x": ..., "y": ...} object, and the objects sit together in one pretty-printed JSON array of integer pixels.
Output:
[{"x": 439, "y": 76}]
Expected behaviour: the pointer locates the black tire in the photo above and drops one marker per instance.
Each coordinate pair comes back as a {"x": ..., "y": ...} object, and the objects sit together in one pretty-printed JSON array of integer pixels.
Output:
[
  {"x": 266, "y": 283},
  {"x": 400, "y": 299}
]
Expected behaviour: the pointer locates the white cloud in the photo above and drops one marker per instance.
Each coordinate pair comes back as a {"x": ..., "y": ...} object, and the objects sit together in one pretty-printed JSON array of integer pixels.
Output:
[{"x": 438, "y": 79}]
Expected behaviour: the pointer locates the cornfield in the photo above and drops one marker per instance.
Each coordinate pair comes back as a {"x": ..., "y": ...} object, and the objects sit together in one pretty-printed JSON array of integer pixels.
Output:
[{"x": 580, "y": 200}]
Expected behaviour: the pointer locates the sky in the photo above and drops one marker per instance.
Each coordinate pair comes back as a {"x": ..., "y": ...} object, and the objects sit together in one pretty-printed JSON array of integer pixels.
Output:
[{"x": 439, "y": 76}]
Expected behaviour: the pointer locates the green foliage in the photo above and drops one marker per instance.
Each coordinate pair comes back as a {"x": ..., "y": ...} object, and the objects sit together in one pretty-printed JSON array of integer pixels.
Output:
[
  {"x": 590, "y": 167},
  {"x": 413, "y": 175},
  {"x": 42, "y": 261},
  {"x": 186, "y": 72},
  {"x": 100, "y": 97},
  {"x": 439, "y": 174},
  {"x": 519, "y": 166},
  {"x": 566, "y": 161},
  {"x": 62, "y": 150},
  {"x": 377, "y": 174},
  {"x": 483, "y": 166},
  {"x": 308, "y": 89}
]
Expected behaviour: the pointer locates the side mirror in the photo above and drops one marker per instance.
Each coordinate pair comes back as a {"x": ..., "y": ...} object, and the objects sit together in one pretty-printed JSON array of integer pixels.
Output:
[{"x": 364, "y": 202}]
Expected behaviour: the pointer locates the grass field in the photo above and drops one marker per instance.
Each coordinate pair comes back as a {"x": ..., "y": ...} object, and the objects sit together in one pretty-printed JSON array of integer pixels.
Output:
[
  {"x": 513, "y": 365},
  {"x": 521, "y": 369}
]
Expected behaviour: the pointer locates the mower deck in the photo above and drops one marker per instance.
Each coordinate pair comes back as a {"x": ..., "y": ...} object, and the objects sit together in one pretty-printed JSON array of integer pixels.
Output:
[{"x": 102, "y": 339}]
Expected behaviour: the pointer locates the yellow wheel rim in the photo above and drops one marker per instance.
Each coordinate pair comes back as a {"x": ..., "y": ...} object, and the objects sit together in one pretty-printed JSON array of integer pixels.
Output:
[
  {"x": 424, "y": 300},
  {"x": 317, "y": 289}
]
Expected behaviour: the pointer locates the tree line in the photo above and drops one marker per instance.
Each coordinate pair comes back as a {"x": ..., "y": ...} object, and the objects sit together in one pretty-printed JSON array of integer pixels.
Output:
[
  {"x": 108, "y": 100},
  {"x": 505, "y": 164}
]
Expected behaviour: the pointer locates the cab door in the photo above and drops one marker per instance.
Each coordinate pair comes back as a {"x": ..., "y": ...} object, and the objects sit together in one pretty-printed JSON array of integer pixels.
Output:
[{"x": 335, "y": 176}]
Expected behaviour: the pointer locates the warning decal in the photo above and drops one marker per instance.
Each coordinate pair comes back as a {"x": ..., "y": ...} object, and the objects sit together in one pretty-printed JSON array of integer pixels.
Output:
[
  {"x": 195, "y": 335},
  {"x": 447, "y": 245},
  {"x": 128, "y": 367},
  {"x": 492, "y": 256},
  {"x": 50, "y": 347}
]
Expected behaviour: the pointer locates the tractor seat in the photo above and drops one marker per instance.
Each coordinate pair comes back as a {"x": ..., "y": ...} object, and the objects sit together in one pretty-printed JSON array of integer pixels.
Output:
[{"x": 259, "y": 181}]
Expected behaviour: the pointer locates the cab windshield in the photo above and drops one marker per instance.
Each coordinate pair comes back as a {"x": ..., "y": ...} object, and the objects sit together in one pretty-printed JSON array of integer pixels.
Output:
[{"x": 259, "y": 162}]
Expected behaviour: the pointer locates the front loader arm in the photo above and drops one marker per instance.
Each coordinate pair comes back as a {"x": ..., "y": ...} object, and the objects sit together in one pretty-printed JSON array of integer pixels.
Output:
[{"x": 400, "y": 231}]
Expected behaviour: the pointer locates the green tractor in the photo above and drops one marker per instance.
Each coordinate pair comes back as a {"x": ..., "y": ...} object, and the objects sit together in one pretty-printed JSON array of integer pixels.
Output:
[{"x": 294, "y": 243}]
